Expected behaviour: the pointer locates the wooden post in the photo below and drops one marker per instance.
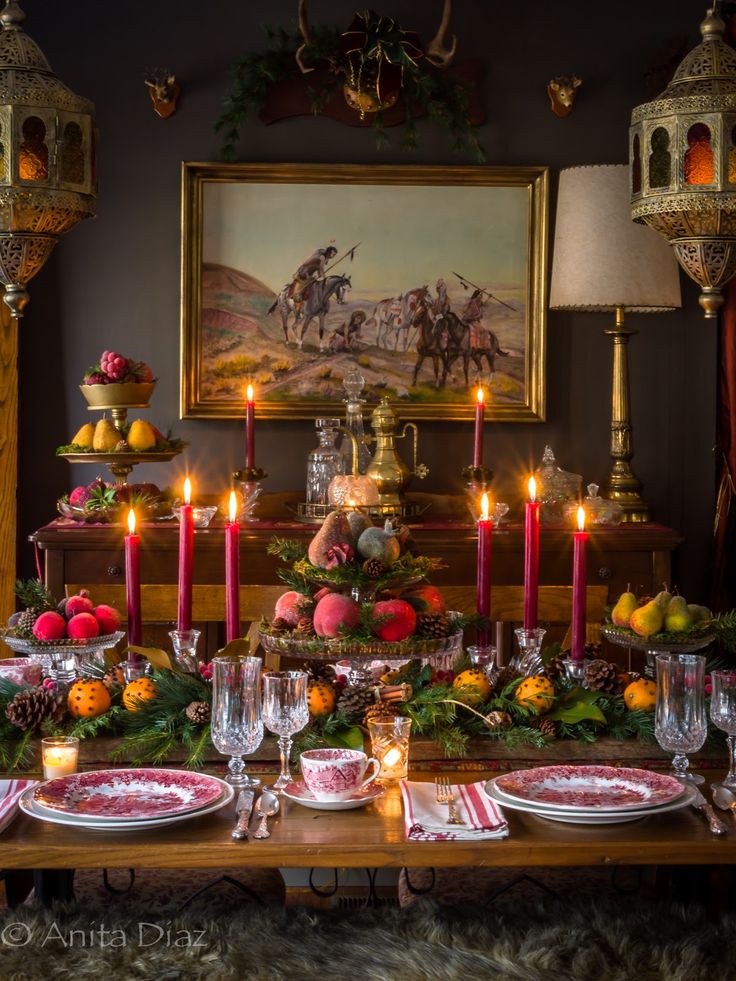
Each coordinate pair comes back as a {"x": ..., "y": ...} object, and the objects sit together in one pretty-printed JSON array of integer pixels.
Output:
[{"x": 8, "y": 459}]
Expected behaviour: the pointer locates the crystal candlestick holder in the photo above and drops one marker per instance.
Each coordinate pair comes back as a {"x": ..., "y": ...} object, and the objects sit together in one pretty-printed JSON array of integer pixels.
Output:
[
  {"x": 575, "y": 669},
  {"x": 132, "y": 670},
  {"x": 528, "y": 661},
  {"x": 185, "y": 648},
  {"x": 250, "y": 481},
  {"x": 484, "y": 658}
]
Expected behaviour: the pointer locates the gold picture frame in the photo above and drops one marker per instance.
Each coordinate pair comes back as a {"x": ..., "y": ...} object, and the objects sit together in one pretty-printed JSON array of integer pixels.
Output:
[{"x": 448, "y": 262}]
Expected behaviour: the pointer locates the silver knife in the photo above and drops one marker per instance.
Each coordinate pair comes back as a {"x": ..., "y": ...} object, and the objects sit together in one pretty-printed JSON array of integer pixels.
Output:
[
  {"x": 717, "y": 827},
  {"x": 243, "y": 809}
]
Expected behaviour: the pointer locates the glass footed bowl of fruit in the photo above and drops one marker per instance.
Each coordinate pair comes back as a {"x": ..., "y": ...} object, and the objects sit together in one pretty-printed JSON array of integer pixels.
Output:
[
  {"x": 659, "y": 624},
  {"x": 103, "y": 503}
]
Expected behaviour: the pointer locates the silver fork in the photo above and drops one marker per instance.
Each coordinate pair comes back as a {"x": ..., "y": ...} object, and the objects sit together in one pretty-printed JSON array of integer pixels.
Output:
[{"x": 445, "y": 795}]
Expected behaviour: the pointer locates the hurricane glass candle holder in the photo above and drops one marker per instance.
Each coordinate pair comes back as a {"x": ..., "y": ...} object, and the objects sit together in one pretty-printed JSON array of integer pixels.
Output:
[
  {"x": 390, "y": 746},
  {"x": 59, "y": 755}
]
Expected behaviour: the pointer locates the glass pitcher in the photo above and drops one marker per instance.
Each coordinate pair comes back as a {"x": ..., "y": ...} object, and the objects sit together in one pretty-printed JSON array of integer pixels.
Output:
[{"x": 324, "y": 462}]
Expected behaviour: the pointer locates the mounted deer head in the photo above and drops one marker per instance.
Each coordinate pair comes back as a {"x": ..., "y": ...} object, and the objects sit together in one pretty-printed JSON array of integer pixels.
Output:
[
  {"x": 164, "y": 91},
  {"x": 561, "y": 91}
]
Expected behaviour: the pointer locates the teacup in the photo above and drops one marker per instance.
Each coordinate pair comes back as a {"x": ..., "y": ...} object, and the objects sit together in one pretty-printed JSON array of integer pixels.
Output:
[{"x": 337, "y": 774}]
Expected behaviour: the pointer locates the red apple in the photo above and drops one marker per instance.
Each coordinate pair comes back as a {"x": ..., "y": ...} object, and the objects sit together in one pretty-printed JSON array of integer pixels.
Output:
[
  {"x": 335, "y": 614},
  {"x": 83, "y": 626},
  {"x": 425, "y": 599}
]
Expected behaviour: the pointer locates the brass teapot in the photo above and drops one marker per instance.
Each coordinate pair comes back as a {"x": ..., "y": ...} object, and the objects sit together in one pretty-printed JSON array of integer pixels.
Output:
[{"x": 387, "y": 469}]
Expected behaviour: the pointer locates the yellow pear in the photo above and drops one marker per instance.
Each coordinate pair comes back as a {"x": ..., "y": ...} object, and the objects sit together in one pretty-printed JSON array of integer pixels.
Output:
[
  {"x": 141, "y": 436},
  {"x": 662, "y": 599},
  {"x": 677, "y": 616},
  {"x": 647, "y": 620},
  {"x": 621, "y": 613},
  {"x": 84, "y": 437},
  {"x": 106, "y": 437},
  {"x": 699, "y": 613}
]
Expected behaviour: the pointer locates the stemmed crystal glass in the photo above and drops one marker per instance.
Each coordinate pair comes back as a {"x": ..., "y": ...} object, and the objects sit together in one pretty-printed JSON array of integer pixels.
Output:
[
  {"x": 723, "y": 714},
  {"x": 237, "y": 728},
  {"x": 680, "y": 723},
  {"x": 285, "y": 713}
]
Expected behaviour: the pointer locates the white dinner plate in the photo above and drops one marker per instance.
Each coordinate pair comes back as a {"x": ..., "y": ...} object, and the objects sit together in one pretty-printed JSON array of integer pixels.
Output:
[
  {"x": 589, "y": 789},
  {"x": 31, "y": 807},
  {"x": 298, "y": 791},
  {"x": 576, "y": 817}
]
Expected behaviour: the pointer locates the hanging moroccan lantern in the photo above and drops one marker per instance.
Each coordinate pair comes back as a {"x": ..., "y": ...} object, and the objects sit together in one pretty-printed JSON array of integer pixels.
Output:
[
  {"x": 47, "y": 180},
  {"x": 682, "y": 150}
]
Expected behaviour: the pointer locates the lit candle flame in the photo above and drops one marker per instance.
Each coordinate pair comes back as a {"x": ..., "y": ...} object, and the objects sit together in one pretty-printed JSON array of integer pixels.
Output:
[
  {"x": 187, "y": 491},
  {"x": 249, "y": 393},
  {"x": 392, "y": 757},
  {"x": 480, "y": 396},
  {"x": 131, "y": 522},
  {"x": 581, "y": 518},
  {"x": 532, "y": 489},
  {"x": 484, "y": 507},
  {"x": 233, "y": 507}
]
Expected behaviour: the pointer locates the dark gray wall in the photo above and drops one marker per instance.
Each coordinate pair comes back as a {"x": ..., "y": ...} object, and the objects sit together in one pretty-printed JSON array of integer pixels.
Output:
[{"x": 114, "y": 281}]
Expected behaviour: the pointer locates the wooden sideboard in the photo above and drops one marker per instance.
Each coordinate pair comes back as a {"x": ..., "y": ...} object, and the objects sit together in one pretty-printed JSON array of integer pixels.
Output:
[{"x": 636, "y": 554}]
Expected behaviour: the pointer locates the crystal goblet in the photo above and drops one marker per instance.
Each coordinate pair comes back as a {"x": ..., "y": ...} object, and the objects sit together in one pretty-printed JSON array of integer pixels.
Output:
[
  {"x": 285, "y": 713},
  {"x": 723, "y": 715},
  {"x": 680, "y": 723},
  {"x": 237, "y": 727}
]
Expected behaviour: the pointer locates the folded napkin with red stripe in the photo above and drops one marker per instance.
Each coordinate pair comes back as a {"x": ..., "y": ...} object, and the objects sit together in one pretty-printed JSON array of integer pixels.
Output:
[
  {"x": 426, "y": 819},
  {"x": 10, "y": 792}
]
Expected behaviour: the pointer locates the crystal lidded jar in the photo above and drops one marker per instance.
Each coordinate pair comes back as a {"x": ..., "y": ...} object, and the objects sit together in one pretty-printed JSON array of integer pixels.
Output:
[{"x": 324, "y": 462}]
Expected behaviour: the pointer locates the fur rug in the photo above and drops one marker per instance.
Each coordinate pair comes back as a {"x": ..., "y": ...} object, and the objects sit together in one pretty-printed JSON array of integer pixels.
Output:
[{"x": 583, "y": 941}]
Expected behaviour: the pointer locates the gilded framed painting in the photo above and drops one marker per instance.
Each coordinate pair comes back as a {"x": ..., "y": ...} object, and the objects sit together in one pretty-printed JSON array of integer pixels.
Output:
[{"x": 427, "y": 280}]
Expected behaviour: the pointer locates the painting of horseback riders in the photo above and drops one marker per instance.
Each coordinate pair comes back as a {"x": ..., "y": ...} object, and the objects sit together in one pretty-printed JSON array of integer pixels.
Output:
[{"x": 429, "y": 281}]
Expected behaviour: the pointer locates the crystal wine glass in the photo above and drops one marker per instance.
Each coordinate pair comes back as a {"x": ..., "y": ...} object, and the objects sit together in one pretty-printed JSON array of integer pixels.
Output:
[
  {"x": 237, "y": 728},
  {"x": 680, "y": 724},
  {"x": 723, "y": 714},
  {"x": 285, "y": 712}
]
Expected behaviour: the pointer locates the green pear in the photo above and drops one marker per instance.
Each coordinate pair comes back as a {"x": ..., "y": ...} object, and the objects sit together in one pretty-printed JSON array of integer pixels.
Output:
[
  {"x": 647, "y": 620},
  {"x": 621, "y": 613},
  {"x": 699, "y": 613},
  {"x": 677, "y": 617},
  {"x": 662, "y": 599}
]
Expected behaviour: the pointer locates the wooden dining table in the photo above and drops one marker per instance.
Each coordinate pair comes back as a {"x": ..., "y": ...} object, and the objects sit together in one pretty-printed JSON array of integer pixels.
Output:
[{"x": 370, "y": 837}]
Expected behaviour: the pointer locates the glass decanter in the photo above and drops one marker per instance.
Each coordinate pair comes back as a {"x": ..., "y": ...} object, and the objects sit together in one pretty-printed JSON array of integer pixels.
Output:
[
  {"x": 353, "y": 383},
  {"x": 324, "y": 462}
]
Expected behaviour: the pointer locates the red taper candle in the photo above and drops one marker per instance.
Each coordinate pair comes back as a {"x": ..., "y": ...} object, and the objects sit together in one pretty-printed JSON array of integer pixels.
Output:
[
  {"x": 483, "y": 594},
  {"x": 186, "y": 558},
  {"x": 250, "y": 430},
  {"x": 580, "y": 544},
  {"x": 479, "y": 419},
  {"x": 133, "y": 585},
  {"x": 232, "y": 572},
  {"x": 531, "y": 558}
]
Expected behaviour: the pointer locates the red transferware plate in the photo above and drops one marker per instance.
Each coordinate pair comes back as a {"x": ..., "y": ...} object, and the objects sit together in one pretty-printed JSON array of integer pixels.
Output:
[
  {"x": 129, "y": 794},
  {"x": 590, "y": 788}
]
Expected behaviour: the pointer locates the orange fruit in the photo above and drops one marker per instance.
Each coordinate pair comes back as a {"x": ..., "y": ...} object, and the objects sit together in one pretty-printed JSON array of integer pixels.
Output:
[
  {"x": 88, "y": 698},
  {"x": 473, "y": 686},
  {"x": 139, "y": 691},
  {"x": 536, "y": 692},
  {"x": 321, "y": 698},
  {"x": 641, "y": 694}
]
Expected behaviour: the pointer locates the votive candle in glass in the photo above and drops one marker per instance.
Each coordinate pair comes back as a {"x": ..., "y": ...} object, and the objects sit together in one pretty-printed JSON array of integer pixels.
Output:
[
  {"x": 59, "y": 756},
  {"x": 390, "y": 746}
]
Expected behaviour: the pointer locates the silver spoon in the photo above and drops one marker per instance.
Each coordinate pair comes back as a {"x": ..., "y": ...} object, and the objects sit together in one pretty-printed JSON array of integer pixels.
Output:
[
  {"x": 268, "y": 805},
  {"x": 725, "y": 799}
]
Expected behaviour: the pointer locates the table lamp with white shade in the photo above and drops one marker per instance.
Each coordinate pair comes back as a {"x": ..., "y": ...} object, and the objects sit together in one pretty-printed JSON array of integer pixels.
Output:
[{"x": 605, "y": 263}]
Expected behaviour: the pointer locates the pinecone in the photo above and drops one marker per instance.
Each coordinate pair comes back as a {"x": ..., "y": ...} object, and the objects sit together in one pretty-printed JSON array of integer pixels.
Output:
[
  {"x": 601, "y": 675},
  {"x": 593, "y": 651},
  {"x": 498, "y": 720},
  {"x": 319, "y": 671},
  {"x": 555, "y": 668},
  {"x": 374, "y": 568},
  {"x": 355, "y": 699},
  {"x": 26, "y": 622},
  {"x": 505, "y": 676},
  {"x": 280, "y": 626},
  {"x": 31, "y": 707},
  {"x": 198, "y": 712},
  {"x": 547, "y": 727},
  {"x": 433, "y": 625},
  {"x": 305, "y": 626},
  {"x": 378, "y": 712}
]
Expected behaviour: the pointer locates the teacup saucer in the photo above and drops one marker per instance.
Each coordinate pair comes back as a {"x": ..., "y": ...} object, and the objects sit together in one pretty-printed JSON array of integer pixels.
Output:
[{"x": 298, "y": 791}]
